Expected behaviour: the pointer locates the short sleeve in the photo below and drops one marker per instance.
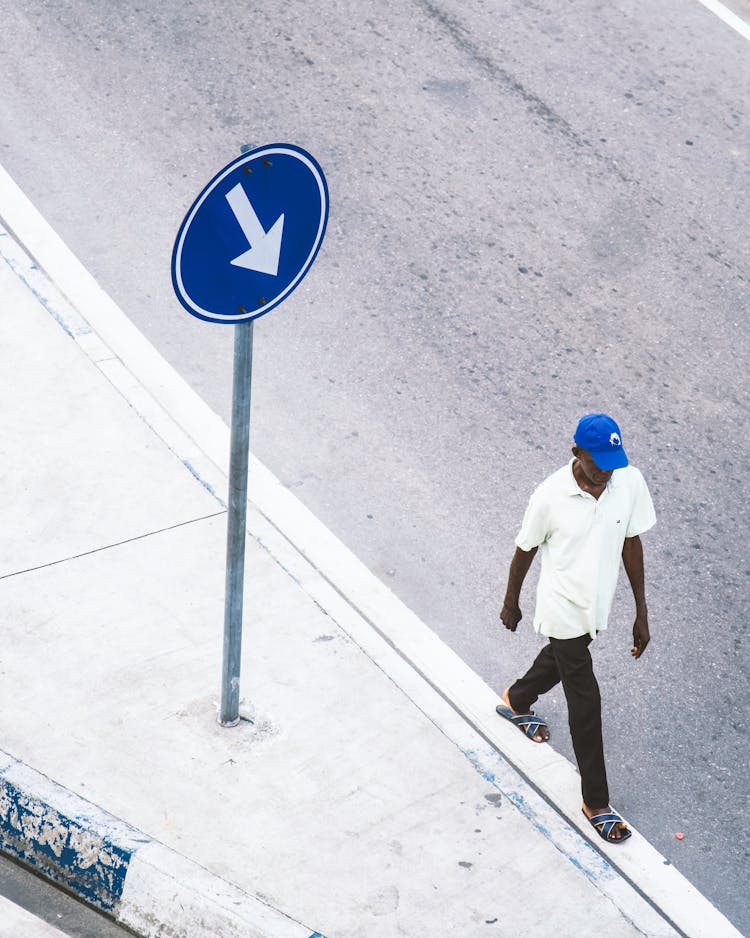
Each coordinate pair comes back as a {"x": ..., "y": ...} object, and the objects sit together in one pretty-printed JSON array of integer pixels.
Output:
[
  {"x": 534, "y": 527},
  {"x": 642, "y": 516}
]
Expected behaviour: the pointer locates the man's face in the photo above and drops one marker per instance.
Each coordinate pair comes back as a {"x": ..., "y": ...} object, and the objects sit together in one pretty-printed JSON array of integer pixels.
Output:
[{"x": 593, "y": 474}]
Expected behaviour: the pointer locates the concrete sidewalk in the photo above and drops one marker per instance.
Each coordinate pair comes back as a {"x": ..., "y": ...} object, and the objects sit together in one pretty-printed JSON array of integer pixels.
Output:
[{"x": 357, "y": 797}]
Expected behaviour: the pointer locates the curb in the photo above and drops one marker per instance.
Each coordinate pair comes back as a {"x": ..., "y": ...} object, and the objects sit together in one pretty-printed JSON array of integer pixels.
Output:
[
  {"x": 110, "y": 865},
  {"x": 364, "y": 607}
]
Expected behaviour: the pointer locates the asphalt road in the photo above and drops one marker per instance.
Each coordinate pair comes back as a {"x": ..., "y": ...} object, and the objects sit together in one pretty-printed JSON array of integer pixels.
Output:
[
  {"x": 538, "y": 210},
  {"x": 61, "y": 911}
]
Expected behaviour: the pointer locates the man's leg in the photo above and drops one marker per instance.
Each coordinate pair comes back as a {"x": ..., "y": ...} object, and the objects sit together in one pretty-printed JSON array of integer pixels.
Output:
[
  {"x": 584, "y": 716},
  {"x": 542, "y": 676}
]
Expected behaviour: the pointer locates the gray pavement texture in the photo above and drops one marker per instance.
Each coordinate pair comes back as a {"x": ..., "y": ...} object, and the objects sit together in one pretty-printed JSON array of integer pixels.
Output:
[
  {"x": 536, "y": 212},
  {"x": 341, "y": 799},
  {"x": 31, "y": 907},
  {"x": 15, "y": 921}
]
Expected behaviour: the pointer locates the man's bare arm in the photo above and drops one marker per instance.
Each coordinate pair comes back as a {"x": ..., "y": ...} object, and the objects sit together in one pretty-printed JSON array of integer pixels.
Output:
[
  {"x": 632, "y": 558},
  {"x": 519, "y": 566}
]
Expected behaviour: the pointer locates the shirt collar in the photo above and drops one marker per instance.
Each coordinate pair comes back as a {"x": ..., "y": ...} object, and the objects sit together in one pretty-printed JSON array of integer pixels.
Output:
[{"x": 575, "y": 489}]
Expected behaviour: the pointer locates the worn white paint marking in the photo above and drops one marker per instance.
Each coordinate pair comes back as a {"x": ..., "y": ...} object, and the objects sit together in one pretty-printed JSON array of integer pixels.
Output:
[
  {"x": 731, "y": 19},
  {"x": 64, "y": 837}
]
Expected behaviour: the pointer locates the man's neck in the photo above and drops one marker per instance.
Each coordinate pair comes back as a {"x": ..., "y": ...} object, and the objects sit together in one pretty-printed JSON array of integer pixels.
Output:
[{"x": 584, "y": 483}]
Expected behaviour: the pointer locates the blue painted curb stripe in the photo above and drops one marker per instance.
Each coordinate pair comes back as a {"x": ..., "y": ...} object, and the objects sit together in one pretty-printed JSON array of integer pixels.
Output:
[
  {"x": 61, "y": 848},
  {"x": 574, "y": 847},
  {"x": 78, "y": 845},
  {"x": 63, "y": 837}
]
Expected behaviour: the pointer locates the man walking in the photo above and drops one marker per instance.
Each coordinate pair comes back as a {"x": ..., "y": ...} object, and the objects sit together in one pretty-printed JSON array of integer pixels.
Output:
[{"x": 584, "y": 517}]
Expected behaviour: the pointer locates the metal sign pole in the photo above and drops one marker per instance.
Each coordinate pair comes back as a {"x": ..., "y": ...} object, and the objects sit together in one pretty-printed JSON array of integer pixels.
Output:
[
  {"x": 251, "y": 235},
  {"x": 236, "y": 523}
]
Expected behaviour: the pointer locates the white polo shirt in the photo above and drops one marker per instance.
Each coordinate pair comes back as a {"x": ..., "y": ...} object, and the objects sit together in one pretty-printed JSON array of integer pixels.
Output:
[{"x": 581, "y": 540}]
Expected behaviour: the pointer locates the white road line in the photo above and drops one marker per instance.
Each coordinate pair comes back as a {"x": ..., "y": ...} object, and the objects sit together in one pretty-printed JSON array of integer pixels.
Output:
[{"x": 731, "y": 19}]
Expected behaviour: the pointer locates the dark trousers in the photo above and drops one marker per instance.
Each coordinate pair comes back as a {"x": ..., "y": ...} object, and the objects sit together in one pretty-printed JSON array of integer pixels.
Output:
[{"x": 569, "y": 660}]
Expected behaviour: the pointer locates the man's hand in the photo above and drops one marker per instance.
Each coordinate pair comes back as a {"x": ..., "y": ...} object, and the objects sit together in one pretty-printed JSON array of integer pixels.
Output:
[
  {"x": 632, "y": 558},
  {"x": 641, "y": 636},
  {"x": 510, "y": 616}
]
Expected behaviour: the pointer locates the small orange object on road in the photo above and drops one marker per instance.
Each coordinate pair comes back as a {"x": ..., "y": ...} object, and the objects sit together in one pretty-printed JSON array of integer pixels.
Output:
[{"x": 679, "y": 835}]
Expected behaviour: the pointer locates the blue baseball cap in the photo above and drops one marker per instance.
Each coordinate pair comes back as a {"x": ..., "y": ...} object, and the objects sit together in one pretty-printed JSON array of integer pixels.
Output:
[{"x": 600, "y": 435}]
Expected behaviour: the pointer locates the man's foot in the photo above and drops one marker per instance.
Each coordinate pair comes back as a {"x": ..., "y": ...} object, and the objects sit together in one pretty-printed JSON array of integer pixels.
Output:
[
  {"x": 607, "y": 823},
  {"x": 534, "y": 728}
]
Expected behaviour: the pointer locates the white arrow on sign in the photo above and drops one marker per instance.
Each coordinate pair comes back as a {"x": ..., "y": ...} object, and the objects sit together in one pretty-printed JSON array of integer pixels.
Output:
[{"x": 265, "y": 246}]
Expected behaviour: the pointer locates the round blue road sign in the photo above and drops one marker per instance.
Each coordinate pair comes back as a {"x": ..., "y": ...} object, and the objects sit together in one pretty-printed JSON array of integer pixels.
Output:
[{"x": 251, "y": 235}]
